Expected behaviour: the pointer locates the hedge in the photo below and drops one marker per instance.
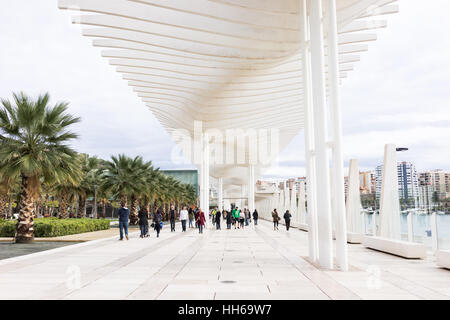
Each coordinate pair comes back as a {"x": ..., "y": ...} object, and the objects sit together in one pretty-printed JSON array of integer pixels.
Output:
[{"x": 54, "y": 227}]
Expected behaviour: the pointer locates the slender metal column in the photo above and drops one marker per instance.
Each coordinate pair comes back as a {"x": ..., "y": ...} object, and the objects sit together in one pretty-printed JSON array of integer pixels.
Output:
[
  {"x": 336, "y": 120},
  {"x": 321, "y": 137},
  {"x": 309, "y": 136}
]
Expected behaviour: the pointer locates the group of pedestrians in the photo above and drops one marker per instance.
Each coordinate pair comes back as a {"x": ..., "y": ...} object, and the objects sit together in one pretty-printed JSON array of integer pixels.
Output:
[
  {"x": 276, "y": 218},
  {"x": 192, "y": 215},
  {"x": 239, "y": 218},
  {"x": 236, "y": 218},
  {"x": 143, "y": 216}
]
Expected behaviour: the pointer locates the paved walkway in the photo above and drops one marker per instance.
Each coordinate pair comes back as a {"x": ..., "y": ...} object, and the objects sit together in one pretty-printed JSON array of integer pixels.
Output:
[{"x": 227, "y": 264}]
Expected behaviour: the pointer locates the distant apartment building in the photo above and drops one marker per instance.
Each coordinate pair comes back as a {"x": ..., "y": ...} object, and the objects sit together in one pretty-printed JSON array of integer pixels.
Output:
[
  {"x": 425, "y": 196},
  {"x": 439, "y": 181},
  {"x": 408, "y": 182},
  {"x": 367, "y": 182}
]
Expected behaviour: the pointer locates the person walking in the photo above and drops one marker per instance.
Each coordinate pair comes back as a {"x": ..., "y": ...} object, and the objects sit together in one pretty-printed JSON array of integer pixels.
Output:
[
  {"x": 247, "y": 216},
  {"x": 276, "y": 219},
  {"x": 218, "y": 216},
  {"x": 255, "y": 217},
  {"x": 241, "y": 219},
  {"x": 287, "y": 219},
  {"x": 236, "y": 216},
  {"x": 172, "y": 218},
  {"x": 124, "y": 214},
  {"x": 183, "y": 218},
  {"x": 200, "y": 220},
  {"x": 191, "y": 217},
  {"x": 229, "y": 218},
  {"x": 143, "y": 222},
  {"x": 157, "y": 219},
  {"x": 196, "y": 212}
]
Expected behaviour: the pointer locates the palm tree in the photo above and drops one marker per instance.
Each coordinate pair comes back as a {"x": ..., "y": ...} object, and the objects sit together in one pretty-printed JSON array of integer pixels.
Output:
[
  {"x": 125, "y": 177},
  {"x": 66, "y": 192},
  {"x": 151, "y": 186},
  {"x": 33, "y": 145},
  {"x": 90, "y": 169}
]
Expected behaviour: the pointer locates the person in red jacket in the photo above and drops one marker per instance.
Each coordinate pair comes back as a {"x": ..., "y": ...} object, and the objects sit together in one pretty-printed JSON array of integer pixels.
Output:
[{"x": 200, "y": 220}]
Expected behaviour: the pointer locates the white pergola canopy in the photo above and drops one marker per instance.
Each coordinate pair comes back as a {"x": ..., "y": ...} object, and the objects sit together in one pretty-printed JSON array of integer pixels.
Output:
[{"x": 228, "y": 63}]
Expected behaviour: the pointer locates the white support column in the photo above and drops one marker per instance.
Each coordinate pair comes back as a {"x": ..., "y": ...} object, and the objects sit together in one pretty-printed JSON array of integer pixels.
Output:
[
  {"x": 293, "y": 203},
  {"x": 336, "y": 125},
  {"x": 286, "y": 196},
  {"x": 353, "y": 205},
  {"x": 321, "y": 137},
  {"x": 205, "y": 205},
  {"x": 410, "y": 227},
  {"x": 220, "y": 191},
  {"x": 389, "y": 219},
  {"x": 243, "y": 194},
  {"x": 251, "y": 188},
  {"x": 309, "y": 136},
  {"x": 301, "y": 203},
  {"x": 201, "y": 178}
]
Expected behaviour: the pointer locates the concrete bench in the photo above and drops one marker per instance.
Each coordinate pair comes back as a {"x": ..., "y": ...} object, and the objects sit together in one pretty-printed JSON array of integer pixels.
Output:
[
  {"x": 354, "y": 238},
  {"x": 303, "y": 226},
  {"x": 443, "y": 258},
  {"x": 409, "y": 250}
]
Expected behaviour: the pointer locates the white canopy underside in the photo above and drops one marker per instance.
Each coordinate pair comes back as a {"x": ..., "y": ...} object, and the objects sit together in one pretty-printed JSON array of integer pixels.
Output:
[{"x": 228, "y": 63}]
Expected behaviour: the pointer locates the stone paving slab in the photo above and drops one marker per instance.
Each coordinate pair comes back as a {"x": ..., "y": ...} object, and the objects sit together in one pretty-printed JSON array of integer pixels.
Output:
[{"x": 254, "y": 263}]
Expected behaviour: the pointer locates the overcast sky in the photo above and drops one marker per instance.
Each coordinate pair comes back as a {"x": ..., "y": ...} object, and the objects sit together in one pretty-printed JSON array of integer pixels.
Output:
[{"x": 399, "y": 92}]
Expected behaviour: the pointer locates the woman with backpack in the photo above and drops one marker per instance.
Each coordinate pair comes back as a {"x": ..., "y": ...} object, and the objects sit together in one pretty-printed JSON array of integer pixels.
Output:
[{"x": 276, "y": 218}]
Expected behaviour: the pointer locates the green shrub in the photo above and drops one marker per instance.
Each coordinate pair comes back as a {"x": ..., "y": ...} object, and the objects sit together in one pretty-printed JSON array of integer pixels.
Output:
[
  {"x": 54, "y": 227},
  {"x": 7, "y": 228}
]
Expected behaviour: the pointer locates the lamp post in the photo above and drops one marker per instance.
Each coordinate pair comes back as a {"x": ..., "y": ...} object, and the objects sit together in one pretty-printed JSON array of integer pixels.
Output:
[{"x": 94, "y": 211}]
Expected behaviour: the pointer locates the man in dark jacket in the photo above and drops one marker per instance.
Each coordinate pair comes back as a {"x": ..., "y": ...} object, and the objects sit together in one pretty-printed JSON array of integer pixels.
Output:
[
  {"x": 287, "y": 219},
  {"x": 229, "y": 219},
  {"x": 255, "y": 217},
  {"x": 157, "y": 218},
  {"x": 124, "y": 214},
  {"x": 217, "y": 217},
  {"x": 172, "y": 218},
  {"x": 143, "y": 222}
]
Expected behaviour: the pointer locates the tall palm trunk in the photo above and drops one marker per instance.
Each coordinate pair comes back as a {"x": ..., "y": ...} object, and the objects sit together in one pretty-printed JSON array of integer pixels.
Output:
[
  {"x": 62, "y": 214},
  {"x": 123, "y": 200},
  {"x": 81, "y": 206},
  {"x": 3, "y": 207},
  {"x": 10, "y": 207},
  {"x": 134, "y": 211},
  {"x": 25, "y": 223},
  {"x": 103, "y": 213}
]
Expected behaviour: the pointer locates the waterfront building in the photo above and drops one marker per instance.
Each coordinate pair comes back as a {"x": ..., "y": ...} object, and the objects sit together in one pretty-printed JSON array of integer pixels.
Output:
[
  {"x": 439, "y": 181},
  {"x": 408, "y": 183}
]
